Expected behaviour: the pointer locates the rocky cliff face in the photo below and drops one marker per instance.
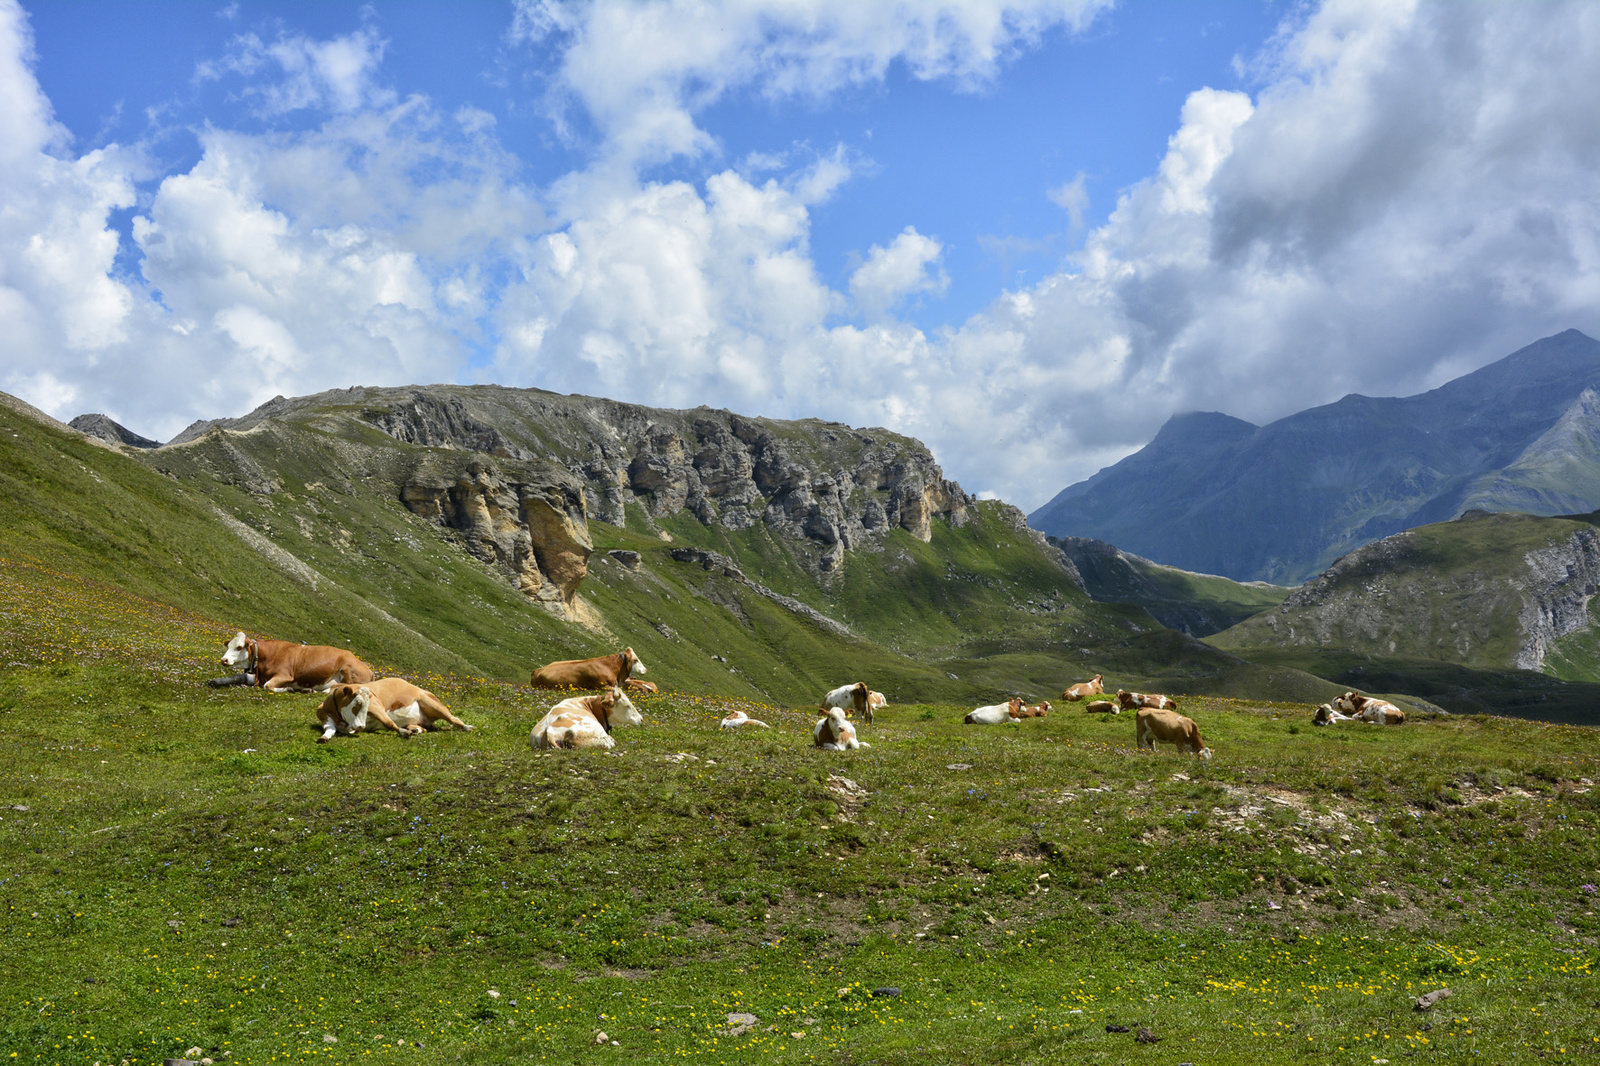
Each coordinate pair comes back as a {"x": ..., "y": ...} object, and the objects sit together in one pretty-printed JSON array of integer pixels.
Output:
[
  {"x": 526, "y": 519},
  {"x": 518, "y": 473},
  {"x": 1561, "y": 580}
]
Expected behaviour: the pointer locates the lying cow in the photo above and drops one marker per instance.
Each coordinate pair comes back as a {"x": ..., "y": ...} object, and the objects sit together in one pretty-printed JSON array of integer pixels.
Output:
[
  {"x": 279, "y": 666},
  {"x": 1102, "y": 707},
  {"x": 1327, "y": 714},
  {"x": 996, "y": 714},
  {"x": 856, "y": 697},
  {"x": 1132, "y": 700},
  {"x": 639, "y": 684},
  {"x": 1085, "y": 689},
  {"x": 1367, "y": 709},
  {"x": 391, "y": 702},
  {"x": 607, "y": 671},
  {"x": 737, "y": 718},
  {"x": 1170, "y": 727},
  {"x": 585, "y": 721},
  {"x": 1037, "y": 711},
  {"x": 835, "y": 733}
]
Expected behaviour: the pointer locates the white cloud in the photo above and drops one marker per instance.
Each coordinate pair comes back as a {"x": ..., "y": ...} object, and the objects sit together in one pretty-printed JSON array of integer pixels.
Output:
[
  {"x": 908, "y": 267},
  {"x": 1072, "y": 198},
  {"x": 642, "y": 70},
  {"x": 336, "y": 75}
]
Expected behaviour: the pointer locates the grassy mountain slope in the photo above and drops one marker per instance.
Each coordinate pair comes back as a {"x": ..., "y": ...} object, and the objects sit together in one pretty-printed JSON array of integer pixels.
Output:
[
  {"x": 186, "y": 868},
  {"x": 1197, "y": 604},
  {"x": 984, "y": 601}
]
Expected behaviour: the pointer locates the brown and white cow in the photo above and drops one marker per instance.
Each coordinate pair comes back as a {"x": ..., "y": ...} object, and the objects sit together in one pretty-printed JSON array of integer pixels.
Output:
[
  {"x": 876, "y": 701},
  {"x": 1368, "y": 709},
  {"x": 1084, "y": 689},
  {"x": 1039, "y": 710},
  {"x": 639, "y": 684},
  {"x": 1170, "y": 727},
  {"x": 392, "y": 702},
  {"x": 835, "y": 733},
  {"x": 737, "y": 718},
  {"x": 856, "y": 697},
  {"x": 606, "y": 671},
  {"x": 585, "y": 721},
  {"x": 996, "y": 713},
  {"x": 1327, "y": 714},
  {"x": 1102, "y": 707},
  {"x": 279, "y": 666},
  {"x": 1131, "y": 700}
]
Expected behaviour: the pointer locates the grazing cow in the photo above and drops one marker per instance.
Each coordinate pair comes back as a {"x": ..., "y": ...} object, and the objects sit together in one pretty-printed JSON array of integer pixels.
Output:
[
  {"x": 856, "y": 697},
  {"x": 876, "y": 701},
  {"x": 393, "y": 702},
  {"x": 1131, "y": 700},
  {"x": 1169, "y": 726},
  {"x": 1102, "y": 707},
  {"x": 1038, "y": 711},
  {"x": 607, "y": 671},
  {"x": 835, "y": 733},
  {"x": 997, "y": 713},
  {"x": 1327, "y": 714},
  {"x": 1367, "y": 709},
  {"x": 585, "y": 721},
  {"x": 279, "y": 666},
  {"x": 639, "y": 684},
  {"x": 737, "y": 718},
  {"x": 1085, "y": 689}
]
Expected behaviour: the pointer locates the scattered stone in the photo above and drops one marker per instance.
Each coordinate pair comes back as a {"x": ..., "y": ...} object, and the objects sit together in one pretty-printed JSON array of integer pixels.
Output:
[
  {"x": 329, "y": 1038},
  {"x": 23, "y": 807},
  {"x": 1145, "y": 1036},
  {"x": 886, "y": 990},
  {"x": 493, "y": 994},
  {"x": 959, "y": 766},
  {"x": 1116, "y": 1028},
  {"x": 195, "y": 1052},
  {"x": 630, "y": 559},
  {"x": 741, "y": 1023},
  {"x": 179, "y": 1062},
  {"x": 229, "y": 923},
  {"x": 601, "y": 1038},
  {"x": 1426, "y": 1002}
]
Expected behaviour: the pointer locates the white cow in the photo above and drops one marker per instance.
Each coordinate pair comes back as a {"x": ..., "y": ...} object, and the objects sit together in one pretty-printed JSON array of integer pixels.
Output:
[
  {"x": 835, "y": 733},
  {"x": 585, "y": 721},
  {"x": 737, "y": 718},
  {"x": 996, "y": 714},
  {"x": 856, "y": 697}
]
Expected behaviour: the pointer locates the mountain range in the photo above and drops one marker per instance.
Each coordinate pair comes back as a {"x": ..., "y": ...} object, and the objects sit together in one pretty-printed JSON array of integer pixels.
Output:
[{"x": 1280, "y": 502}]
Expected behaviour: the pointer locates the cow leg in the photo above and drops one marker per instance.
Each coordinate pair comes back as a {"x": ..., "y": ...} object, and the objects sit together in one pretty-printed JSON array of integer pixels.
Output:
[
  {"x": 278, "y": 683},
  {"x": 330, "y": 725},
  {"x": 436, "y": 710},
  {"x": 383, "y": 716}
]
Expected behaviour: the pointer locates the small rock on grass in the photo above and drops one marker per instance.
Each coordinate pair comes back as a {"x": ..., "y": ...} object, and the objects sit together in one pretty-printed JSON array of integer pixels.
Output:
[
  {"x": 1116, "y": 1028},
  {"x": 1145, "y": 1036},
  {"x": 1426, "y": 1002},
  {"x": 886, "y": 990}
]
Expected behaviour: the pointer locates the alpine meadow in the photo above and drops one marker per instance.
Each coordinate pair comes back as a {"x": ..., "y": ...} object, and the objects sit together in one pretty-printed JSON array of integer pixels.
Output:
[{"x": 188, "y": 874}]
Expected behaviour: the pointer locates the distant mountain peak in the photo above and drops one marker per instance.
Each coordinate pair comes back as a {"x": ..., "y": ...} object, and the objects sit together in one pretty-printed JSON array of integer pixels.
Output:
[{"x": 1215, "y": 494}]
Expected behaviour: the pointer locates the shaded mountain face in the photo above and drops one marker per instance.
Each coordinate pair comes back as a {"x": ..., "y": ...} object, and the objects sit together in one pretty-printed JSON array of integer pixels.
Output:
[
  {"x": 1280, "y": 502},
  {"x": 106, "y": 429}
]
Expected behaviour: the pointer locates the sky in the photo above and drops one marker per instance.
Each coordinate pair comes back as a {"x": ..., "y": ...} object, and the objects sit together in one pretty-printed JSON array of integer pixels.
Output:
[{"x": 1026, "y": 232}]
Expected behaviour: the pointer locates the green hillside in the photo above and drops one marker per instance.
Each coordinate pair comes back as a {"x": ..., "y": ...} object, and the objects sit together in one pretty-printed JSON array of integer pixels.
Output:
[{"x": 187, "y": 873}]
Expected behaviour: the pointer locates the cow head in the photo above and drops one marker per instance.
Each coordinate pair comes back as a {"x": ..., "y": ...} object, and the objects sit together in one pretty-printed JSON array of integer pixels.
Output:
[
  {"x": 1127, "y": 700},
  {"x": 1349, "y": 703},
  {"x": 631, "y": 663},
  {"x": 1324, "y": 715},
  {"x": 616, "y": 709},
  {"x": 239, "y": 652}
]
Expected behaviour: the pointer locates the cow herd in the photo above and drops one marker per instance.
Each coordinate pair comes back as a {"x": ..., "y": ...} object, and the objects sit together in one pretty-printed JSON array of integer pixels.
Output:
[{"x": 357, "y": 700}]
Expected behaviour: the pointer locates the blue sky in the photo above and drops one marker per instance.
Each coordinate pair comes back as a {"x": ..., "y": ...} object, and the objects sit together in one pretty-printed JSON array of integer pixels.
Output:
[{"x": 1025, "y": 231}]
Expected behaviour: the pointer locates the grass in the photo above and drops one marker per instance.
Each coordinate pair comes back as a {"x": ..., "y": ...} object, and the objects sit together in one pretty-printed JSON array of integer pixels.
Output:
[{"x": 183, "y": 867}]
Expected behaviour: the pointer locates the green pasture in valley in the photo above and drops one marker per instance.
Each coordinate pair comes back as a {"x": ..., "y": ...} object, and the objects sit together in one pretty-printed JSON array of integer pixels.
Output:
[{"x": 184, "y": 871}]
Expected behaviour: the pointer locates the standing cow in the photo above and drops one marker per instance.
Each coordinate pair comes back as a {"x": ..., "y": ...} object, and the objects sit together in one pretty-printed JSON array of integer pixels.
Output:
[
  {"x": 1169, "y": 727},
  {"x": 856, "y": 697}
]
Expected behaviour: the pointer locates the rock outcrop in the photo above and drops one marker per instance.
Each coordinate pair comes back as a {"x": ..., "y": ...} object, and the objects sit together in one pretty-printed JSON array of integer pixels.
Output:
[
  {"x": 108, "y": 430},
  {"x": 524, "y": 518},
  {"x": 1561, "y": 581}
]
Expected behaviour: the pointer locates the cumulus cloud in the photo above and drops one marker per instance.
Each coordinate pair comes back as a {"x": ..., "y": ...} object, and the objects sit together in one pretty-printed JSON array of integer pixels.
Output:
[
  {"x": 1406, "y": 192},
  {"x": 907, "y": 267},
  {"x": 642, "y": 70},
  {"x": 296, "y": 73}
]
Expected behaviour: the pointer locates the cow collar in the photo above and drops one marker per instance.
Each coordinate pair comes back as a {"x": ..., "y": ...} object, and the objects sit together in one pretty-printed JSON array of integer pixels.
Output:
[
  {"x": 601, "y": 714},
  {"x": 250, "y": 667}
]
